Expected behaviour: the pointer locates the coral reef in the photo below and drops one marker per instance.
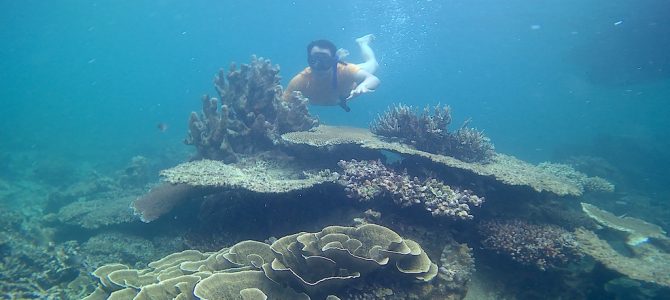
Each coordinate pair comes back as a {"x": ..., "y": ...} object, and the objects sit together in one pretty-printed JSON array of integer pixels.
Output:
[
  {"x": 638, "y": 231},
  {"x": 429, "y": 132},
  {"x": 162, "y": 199},
  {"x": 457, "y": 265},
  {"x": 425, "y": 131},
  {"x": 251, "y": 114},
  {"x": 136, "y": 173},
  {"x": 109, "y": 247},
  {"x": 257, "y": 175},
  {"x": 293, "y": 267},
  {"x": 32, "y": 265},
  {"x": 202, "y": 177},
  {"x": 543, "y": 246},
  {"x": 502, "y": 168},
  {"x": 365, "y": 180},
  {"x": 588, "y": 184},
  {"x": 97, "y": 213},
  {"x": 647, "y": 263}
]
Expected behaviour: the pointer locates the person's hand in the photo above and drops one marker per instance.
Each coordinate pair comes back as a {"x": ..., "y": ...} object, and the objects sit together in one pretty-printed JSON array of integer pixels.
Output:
[{"x": 361, "y": 89}]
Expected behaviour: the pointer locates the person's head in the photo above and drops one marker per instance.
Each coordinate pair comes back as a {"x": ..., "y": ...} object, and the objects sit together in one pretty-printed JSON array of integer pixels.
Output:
[{"x": 321, "y": 55}]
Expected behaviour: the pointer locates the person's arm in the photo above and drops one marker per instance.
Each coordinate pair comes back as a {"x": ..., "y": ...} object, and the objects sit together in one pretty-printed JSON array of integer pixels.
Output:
[
  {"x": 368, "y": 83},
  {"x": 293, "y": 85}
]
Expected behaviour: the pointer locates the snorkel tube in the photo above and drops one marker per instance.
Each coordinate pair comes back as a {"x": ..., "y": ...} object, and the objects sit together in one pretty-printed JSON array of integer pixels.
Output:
[
  {"x": 343, "y": 101},
  {"x": 322, "y": 62}
]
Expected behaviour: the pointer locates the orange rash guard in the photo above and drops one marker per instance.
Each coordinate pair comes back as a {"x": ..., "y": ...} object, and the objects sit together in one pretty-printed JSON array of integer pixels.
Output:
[{"x": 320, "y": 91}]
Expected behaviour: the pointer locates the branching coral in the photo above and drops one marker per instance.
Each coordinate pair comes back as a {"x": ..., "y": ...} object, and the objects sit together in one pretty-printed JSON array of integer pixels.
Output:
[
  {"x": 579, "y": 179},
  {"x": 429, "y": 132},
  {"x": 544, "y": 246},
  {"x": 403, "y": 122},
  {"x": 457, "y": 265},
  {"x": 365, "y": 180},
  {"x": 251, "y": 115}
]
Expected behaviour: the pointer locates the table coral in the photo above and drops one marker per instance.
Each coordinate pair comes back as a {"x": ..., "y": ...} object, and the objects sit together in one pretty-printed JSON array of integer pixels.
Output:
[
  {"x": 638, "y": 231},
  {"x": 502, "y": 168}
]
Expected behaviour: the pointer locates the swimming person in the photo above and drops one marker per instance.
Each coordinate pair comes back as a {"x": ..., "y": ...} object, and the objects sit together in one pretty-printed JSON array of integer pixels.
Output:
[{"x": 330, "y": 81}]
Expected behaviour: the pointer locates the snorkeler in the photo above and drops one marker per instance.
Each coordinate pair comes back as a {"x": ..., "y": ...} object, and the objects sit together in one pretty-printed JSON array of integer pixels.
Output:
[{"x": 330, "y": 81}]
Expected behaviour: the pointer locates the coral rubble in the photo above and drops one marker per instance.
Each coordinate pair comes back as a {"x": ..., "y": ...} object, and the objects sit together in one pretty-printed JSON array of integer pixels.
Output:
[
  {"x": 543, "y": 246},
  {"x": 296, "y": 266},
  {"x": 366, "y": 179},
  {"x": 250, "y": 115},
  {"x": 429, "y": 132}
]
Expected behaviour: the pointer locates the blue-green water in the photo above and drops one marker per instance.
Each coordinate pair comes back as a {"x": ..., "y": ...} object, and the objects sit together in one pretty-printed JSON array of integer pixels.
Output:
[
  {"x": 85, "y": 83},
  {"x": 85, "y": 78}
]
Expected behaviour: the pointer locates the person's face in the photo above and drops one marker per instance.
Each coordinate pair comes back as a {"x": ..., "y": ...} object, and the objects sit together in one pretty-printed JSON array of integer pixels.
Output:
[
  {"x": 317, "y": 49},
  {"x": 320, "y": 59}
]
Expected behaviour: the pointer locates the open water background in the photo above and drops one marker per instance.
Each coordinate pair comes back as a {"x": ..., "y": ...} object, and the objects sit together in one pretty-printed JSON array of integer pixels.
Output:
[{"x": 86, "y": 82}]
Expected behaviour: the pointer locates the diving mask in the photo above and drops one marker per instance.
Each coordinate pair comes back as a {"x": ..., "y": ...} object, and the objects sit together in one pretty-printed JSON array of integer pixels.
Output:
[{"x": 321, "y": 61}]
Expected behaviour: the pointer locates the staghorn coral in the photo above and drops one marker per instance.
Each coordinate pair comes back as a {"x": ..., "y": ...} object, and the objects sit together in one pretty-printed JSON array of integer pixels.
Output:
[
  {"x": 543, "y": 246},
  {"x": 469, "y": 144},
  {"x": 429, "y": 132},
  {"x": 365, "y": 180},
  {"x": 293, "y": 267},
  {"x": 251, "y": 114},
  {"x": 424, "y": 131}
]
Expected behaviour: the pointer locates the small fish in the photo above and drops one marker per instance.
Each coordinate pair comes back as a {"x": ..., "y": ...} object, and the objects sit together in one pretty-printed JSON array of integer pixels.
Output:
[
  {"x": 617, "y": 23},
  {"x": 162, "y": 127}
]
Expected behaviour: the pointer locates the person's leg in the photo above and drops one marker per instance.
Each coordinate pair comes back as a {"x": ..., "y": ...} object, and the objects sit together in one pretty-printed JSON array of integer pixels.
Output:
[{"x": 369, "y": 60}]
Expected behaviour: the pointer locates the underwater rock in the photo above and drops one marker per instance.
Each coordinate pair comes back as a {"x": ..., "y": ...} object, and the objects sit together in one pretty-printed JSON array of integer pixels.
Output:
[{"x": 293, "y": 267}]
